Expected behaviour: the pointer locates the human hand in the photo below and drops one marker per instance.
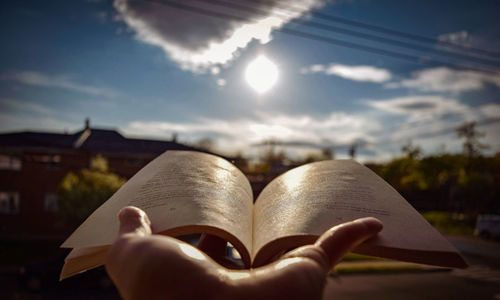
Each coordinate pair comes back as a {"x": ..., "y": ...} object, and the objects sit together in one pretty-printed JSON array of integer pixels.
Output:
[{"x": 146, "y": 266}]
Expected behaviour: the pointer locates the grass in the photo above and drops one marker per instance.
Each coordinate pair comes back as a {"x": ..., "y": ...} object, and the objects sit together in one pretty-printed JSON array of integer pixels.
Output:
[
  {"x": 365, "y": 269},
  {"x": 350, "y": 257}
]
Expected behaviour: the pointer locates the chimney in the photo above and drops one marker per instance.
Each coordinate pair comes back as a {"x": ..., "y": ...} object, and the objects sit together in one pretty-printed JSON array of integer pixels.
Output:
[{"x": 87, "y": 123}]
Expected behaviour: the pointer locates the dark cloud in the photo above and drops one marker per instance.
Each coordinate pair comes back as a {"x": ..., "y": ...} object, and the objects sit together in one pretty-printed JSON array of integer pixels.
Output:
[
  {"x": 417, "y": 106},
  {"x": 180, "y": 27},
  {"x": 198, "y": 41}
]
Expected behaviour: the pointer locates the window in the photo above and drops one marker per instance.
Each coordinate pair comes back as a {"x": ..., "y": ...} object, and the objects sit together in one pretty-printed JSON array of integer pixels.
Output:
[
  {"x": 8, "y": 162},
  {"x": 9, "y": 203},
  {"x": 50, "y": 202},
  {"x": 51, "y": 161}
]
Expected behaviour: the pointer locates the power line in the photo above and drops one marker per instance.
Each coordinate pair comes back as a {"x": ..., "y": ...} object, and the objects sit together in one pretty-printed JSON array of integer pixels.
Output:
[
  {"x": 389, "y": 53},
  {"x": 338, "y": 42},
  {"x": 385, "y": 30},
  {"x": 358, "y": 34}
]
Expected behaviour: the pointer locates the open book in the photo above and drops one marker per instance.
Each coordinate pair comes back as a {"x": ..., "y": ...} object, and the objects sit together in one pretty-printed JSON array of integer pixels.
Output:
[{"x": 186, "y": 192}]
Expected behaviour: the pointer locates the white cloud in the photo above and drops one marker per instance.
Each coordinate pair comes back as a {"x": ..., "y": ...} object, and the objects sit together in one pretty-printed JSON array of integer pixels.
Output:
[
  {"x": 467, "y": 40},
  {"x": 336, "y": 128},
  {"x": 215, "y": 70},
  {"x": 221, "y": 82},
  {"x": 198, "y": 42},
  {"x": 462, "y": 38},
  {"x": 430, "y": 122},
  {"x": 317, "y": 68},
  {"x": 64, "y": 82},
  {"x": 10, "y": 105},
  {"x": 356, "y": 73},
  {"x": 444, "y": 79},
  {"x": 491, "y": 110}
]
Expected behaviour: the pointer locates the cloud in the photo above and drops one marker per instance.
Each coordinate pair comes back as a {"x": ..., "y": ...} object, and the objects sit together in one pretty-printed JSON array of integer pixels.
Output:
[
  {"x": 10, "y": 105},
  {"x": 444, "y": 79},
  {"x": 465, "y": 39},
  {"x": 418, "y": 108},
  {"x": 491, "y": 110},
  {"x": 356, "y": 73},
  {"x": 363, "y": 146},
  {"x": 333, "y": 130},
  {"x": 16, "y": 114},
  {"x": 221, "y": 82},
  {"x": 64, "y": 82},
  {"x": 430, "y": 121},
  {"x": 462, "y": 38},
  {"x": 198, "y": 42}
]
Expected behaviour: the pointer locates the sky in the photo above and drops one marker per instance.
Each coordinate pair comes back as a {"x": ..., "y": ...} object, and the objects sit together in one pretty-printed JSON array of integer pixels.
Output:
[{"x": 247, "y": 72}]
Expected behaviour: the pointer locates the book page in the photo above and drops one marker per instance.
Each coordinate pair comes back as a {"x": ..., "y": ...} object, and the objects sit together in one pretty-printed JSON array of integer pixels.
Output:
[
  {"x": 82, "y": 259},
  {"x": 183, "y": 192},
  {"x": 303, "y": 203}
]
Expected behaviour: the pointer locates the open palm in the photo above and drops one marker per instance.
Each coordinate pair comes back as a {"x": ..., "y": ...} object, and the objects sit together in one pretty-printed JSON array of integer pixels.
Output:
[{"x": 146, "y": 266}]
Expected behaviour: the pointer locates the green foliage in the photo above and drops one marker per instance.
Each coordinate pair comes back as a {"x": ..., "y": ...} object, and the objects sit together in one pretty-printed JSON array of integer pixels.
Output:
[
  {"x": 404, "y": 174},
  {"x": 99, "y": 163},
  {"x": 452, "y": 182},
  {"x": 81, "y": 193},
  {"x": 447, "y": 222}
]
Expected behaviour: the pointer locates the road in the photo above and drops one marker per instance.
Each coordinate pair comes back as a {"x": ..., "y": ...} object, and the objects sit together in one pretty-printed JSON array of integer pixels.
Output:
[
  {"x": 480, "y": 281},
  {"x": 435, "y": 285}
]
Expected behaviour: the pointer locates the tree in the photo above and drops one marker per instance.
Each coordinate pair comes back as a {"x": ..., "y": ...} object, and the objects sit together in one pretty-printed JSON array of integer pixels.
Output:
[
  {"x": 352, "y": 150},
  {"x": 411, "y": 151},
  {"x": 471, "y": 146},
  {"x": 80, "y": 193},
  {"x": 326, "y": 154},
  {"x": 206, "y": 143}
]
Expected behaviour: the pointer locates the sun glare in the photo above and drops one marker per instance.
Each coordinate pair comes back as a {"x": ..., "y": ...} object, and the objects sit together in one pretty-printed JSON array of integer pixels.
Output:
[{"x": 261, "y": 74}]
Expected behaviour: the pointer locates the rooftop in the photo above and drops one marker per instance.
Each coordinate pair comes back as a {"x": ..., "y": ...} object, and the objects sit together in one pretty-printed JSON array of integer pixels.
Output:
[{"x": 88, "y": 139}]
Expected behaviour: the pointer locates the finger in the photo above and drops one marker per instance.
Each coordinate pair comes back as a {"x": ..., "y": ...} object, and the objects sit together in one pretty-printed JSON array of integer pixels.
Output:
[
  {"x": 212, "y": 245},
  {"x": 338, "y": 241},
  {"x": 133, "y": 221},
  {"x": 341, "y": 239}
]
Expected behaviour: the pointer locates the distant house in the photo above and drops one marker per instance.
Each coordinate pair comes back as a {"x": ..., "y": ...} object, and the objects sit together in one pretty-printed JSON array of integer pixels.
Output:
[{"x": 32, "y": 164}]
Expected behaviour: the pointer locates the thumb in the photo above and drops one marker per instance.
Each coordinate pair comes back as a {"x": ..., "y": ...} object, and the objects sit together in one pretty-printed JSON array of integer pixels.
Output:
[
  {"x": 341, "y": 239},
  {"x": 332, "y": 245},
  {"x": 303, "y": 270},
  {"x": 134, "y": 221}
]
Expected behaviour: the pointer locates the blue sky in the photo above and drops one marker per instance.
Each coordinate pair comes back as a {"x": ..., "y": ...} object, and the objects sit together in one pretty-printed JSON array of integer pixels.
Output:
[{"x": 152, "y": 70}]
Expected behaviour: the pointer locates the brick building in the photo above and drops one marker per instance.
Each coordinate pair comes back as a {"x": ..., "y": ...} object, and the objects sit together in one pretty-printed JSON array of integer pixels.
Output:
[{"x": 32, "y": 164}]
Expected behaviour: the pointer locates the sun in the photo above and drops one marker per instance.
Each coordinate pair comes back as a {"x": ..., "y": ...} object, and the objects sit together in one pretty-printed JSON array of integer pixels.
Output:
[{"x": 261, "y": 74}]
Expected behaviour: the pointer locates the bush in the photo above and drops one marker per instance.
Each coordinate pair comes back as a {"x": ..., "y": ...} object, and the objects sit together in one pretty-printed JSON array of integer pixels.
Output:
[{"x": 81, "y": 193}]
